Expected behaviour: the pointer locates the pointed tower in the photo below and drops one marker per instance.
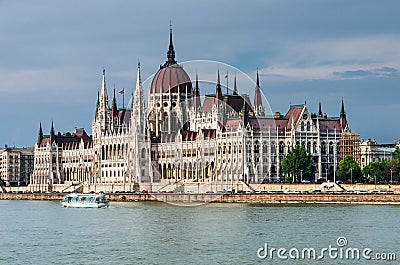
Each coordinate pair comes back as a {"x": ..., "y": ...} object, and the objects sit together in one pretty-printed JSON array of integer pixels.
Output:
[
  {"x": 171, "y": 51},
  {"x": 40, "y": 135},
  {"x": 320, "y": 110},
  {"x": 138, "y": 105},
  {"x": 197, "y": 100},
  {"x": 140, "y": 160},
  {"x": 218, "y": 92},
  {"x": 102, "y": 121},
  {"x": 114, "y": 109},
  {"x": 343, "y": 119},
  {"x": 52, "y": 133},
  {"x": 235, "y": 90},
  {"x": 258, "y": 106}
]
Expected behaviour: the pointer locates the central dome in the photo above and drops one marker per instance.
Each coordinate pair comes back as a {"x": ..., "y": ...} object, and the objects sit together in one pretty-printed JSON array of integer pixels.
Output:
[
  {"x": 171, "y": 75},
  {"x": 170, "y": 78}
]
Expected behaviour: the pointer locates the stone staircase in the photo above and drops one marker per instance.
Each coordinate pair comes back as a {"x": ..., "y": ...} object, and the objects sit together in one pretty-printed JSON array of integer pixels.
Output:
[{"x": 73, "y": 188}]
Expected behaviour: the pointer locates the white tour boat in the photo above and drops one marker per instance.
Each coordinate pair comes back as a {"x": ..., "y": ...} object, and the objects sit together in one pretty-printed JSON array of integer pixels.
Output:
[{"x": 95, "y": 200}]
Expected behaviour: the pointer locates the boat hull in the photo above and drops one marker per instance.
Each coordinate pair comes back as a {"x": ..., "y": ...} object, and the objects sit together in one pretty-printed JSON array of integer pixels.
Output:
[
  {"x": 85, "y": 201},
  {"x": 84, "y": 205}
]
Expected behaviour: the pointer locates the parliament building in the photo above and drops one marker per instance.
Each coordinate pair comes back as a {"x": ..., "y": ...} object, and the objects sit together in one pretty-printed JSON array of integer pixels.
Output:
[{"x": 180, "y": 137}]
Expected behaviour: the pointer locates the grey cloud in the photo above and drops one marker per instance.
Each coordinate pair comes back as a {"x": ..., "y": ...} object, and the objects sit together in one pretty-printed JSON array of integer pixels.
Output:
[{"x": 375, "y": 73}]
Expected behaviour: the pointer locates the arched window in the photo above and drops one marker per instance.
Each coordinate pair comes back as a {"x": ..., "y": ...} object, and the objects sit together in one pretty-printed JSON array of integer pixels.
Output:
[
  {"x": 281, "y": 147},
  {"x": 331, "y": 148},
  {"x": 273, "y": 148},
  {"x": 323, "y": 148},
  {"x": 256, "y": 147},
  {"x": 143, "y": 153},
  {"x": 308, "y": 147}
]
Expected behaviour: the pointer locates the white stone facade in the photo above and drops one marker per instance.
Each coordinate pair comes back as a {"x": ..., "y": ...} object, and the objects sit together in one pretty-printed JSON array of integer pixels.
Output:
[{"x": 177, "y": 138}]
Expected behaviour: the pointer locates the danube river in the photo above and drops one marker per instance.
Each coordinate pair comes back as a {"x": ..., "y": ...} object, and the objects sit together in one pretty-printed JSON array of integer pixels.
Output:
[{"x": 41, "y": 232}]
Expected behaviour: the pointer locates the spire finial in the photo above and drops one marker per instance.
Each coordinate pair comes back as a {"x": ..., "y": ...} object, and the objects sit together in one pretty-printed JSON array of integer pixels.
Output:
[
  {"x": 40, "y": 136},
  {"x": 235, "y": 91},
  {"x": 103, "y": 86},
  {"x": 320, "y": 109},
  {"x": 171, "y": 51},
  {"x": 197, "y": 80},
  {"x": 342, "y": 112},
  {"x": 258, "y": 79},
  {"x": 40, "y": 128},
  {"x": 258, "y": 106},
  {"x": 197, "y": 102},
  {"x": 52, "y": 128},
  {"x": 138, "y": 78},
  {"x": 218, "y": 92}
]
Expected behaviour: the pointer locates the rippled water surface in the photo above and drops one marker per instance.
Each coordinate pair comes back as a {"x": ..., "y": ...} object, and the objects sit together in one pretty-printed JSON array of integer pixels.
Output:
[{"x": 37, "y": 232}]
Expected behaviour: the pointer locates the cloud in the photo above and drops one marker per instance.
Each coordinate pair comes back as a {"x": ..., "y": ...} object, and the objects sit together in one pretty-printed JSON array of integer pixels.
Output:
[
  {"x": 352, "y": 57},
  {"x": 358, "y": 74}
]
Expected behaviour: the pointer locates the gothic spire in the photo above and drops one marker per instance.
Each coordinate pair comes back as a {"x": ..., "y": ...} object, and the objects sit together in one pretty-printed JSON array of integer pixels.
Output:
[
  {"x": 138, "y": 78},
  {"x": 103, "y": 85},
  {"x": 171, "y": 51},
  {"x": 235, "y": 90},
  {"x": 257, "y": 94},
  {"x": 40, "y": 135},
  {"x": 258, "y": 79},
  {"x": 342, "y": 112},
  {"x": 320, "y": 110},
  {"x": 138, "y": 100},
  {"x": 52, "y": 133},
  {"x": 197, "y": 102},
  {"x": 114, "y": 106},
  {"x": 218, "y": 93},
  {"x": 343, "y": 119}
]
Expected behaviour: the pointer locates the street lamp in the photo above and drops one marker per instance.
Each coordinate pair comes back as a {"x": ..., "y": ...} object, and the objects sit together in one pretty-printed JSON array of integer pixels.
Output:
[
  {"x": 391, "y": 176},
  {"x": 351, "y": 174},
  {"x": 326, "y": 177}
]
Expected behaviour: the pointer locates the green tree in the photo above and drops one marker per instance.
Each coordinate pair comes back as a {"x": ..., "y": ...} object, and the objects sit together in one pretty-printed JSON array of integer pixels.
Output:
[
  {"x": 296, "y": 164},
  {"x": 396, "y": 154},
  {"x": 349, "y": 170},
  {"x": 375, "y": 171},
  {"x": 393, "y": 170}
]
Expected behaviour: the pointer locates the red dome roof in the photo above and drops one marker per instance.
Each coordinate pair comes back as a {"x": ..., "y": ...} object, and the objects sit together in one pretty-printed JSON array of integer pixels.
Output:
[{"x": 171, "y": 76}]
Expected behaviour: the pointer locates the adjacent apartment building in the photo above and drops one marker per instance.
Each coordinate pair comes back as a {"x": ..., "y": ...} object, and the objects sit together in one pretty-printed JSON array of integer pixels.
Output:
[{"x": 16, "y": 166}]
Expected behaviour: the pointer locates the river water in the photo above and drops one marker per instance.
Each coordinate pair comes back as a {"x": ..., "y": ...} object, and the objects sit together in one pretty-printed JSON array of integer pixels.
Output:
[{"x": 41, "y": 232}]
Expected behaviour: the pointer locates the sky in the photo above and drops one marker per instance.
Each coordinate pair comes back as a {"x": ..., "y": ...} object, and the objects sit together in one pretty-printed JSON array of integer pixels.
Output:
[{"x": 52, "y": 54}]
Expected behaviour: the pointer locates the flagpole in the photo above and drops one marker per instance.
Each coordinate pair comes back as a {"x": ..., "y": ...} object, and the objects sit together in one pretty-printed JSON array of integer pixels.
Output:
[
  {"x": 123, "y": 98},
  {"x": 227, "y": 92}
]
